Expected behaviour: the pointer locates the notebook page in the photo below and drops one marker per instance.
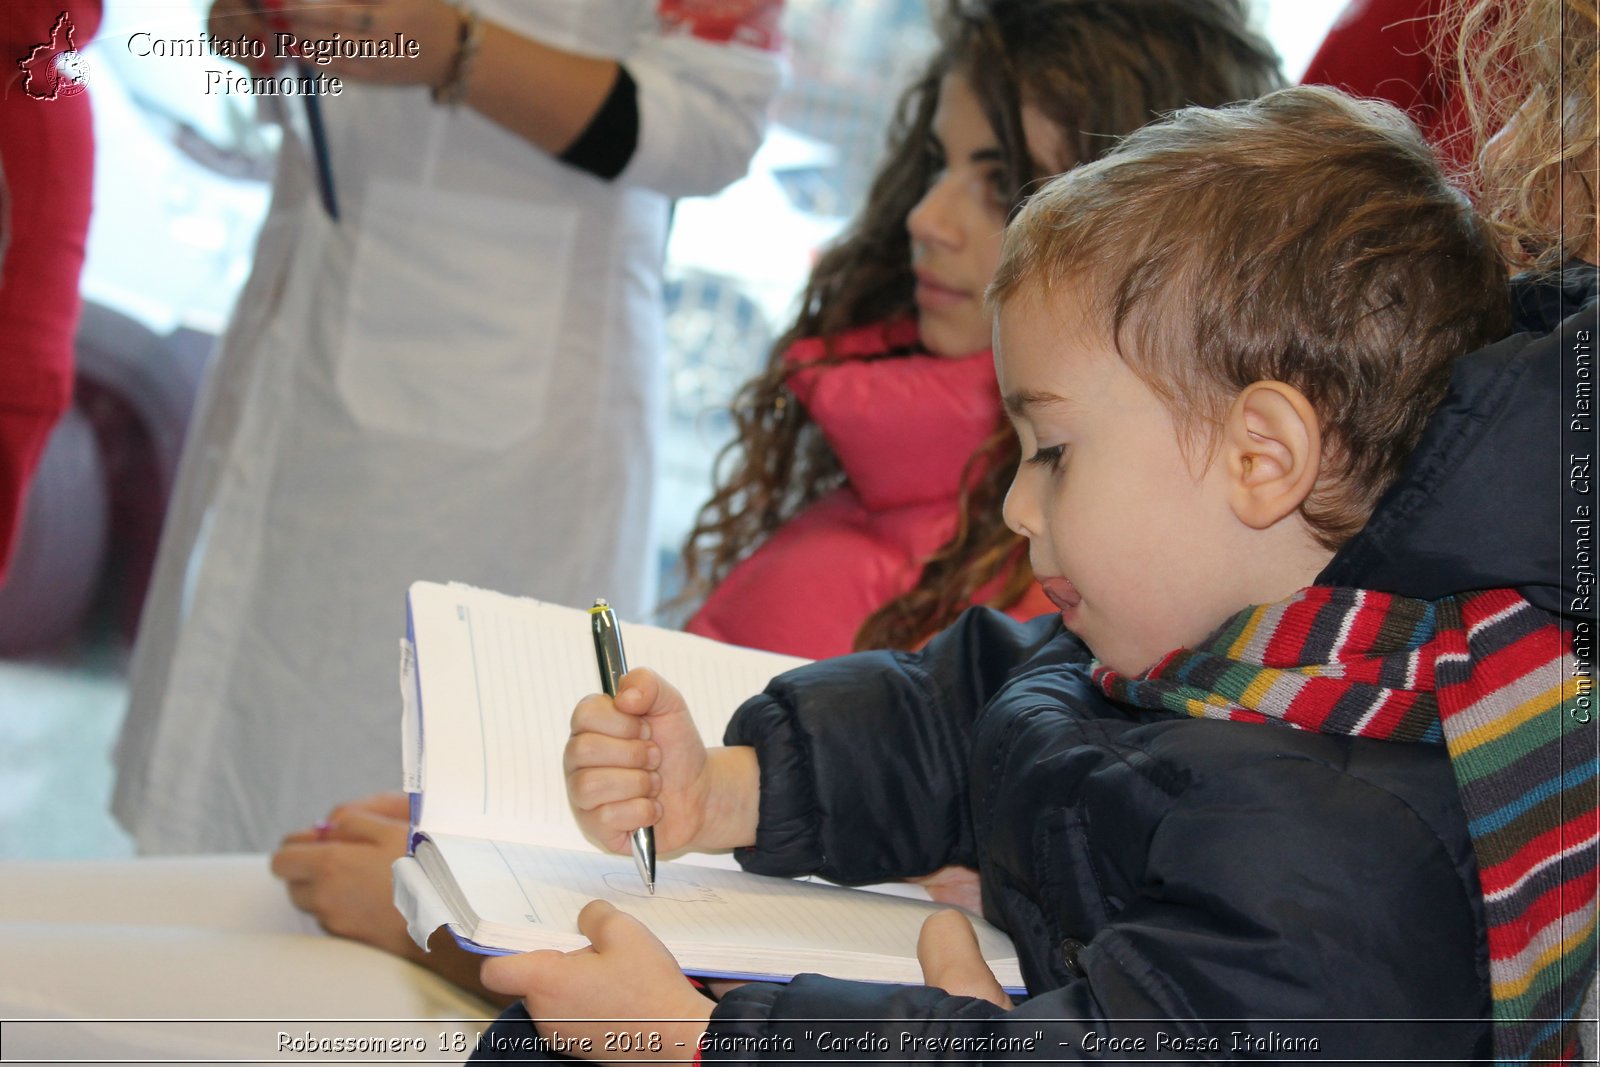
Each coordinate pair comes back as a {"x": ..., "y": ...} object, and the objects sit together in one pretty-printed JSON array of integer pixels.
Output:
[
  {"x": 724, "y": 920},
  {"x": 499, "y": 677}
]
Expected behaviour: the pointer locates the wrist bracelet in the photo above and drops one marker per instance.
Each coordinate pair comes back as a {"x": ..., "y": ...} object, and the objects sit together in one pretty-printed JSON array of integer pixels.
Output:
[{"x": 453, "y": 89}]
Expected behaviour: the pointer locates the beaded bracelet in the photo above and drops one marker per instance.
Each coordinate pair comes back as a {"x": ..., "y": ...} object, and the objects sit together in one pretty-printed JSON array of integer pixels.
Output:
[{"x": 453, "y": 89}]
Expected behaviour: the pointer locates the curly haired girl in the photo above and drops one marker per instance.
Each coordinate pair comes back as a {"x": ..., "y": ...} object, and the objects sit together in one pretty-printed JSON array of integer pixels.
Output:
[{"x": 859, "y": 505}]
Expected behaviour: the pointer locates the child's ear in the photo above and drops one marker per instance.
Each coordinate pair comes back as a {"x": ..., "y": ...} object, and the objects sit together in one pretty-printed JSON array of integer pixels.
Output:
[{"x": 1272, "y": 445}]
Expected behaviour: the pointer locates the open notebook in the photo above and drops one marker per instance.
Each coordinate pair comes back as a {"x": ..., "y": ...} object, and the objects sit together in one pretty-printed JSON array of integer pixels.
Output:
[{"x": 490, "y": 683}]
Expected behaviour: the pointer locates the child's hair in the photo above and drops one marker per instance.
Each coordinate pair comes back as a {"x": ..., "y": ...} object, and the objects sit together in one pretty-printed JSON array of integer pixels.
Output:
[
  {"x": 1305, "y": 238},
  {"x": 1535, "y": 61},
  {"x": 1098, "y": 69}
]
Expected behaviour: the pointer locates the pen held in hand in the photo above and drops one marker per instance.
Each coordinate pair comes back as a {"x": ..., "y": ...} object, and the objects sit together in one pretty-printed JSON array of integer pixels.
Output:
[{"x": 608, "y": 654}]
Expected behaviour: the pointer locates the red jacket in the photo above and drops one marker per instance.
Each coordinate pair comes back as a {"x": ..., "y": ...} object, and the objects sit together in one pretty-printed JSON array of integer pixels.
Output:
[
  {"x": 903, "y": 428},
  {"x": 47, "y": 144}
]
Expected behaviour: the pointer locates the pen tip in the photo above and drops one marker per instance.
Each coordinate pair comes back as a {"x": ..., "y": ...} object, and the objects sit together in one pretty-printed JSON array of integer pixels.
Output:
[
  {"x": 652, "y": 888},
  {"x": 600, "y": 602}
]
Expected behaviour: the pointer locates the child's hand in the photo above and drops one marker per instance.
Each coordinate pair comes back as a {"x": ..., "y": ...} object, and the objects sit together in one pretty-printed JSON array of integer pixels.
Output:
[
  {"x": 637, "y": 761},
  {"x": 948, "y": 950},
  {"x": 625, "y": 973}
]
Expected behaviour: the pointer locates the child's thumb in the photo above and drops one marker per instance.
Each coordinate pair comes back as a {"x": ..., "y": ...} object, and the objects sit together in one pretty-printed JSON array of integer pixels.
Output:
[
  {"x": 616, "y": 933},
  {"x": 606, "y": 927},
  {"x": 948, "y": 950},
  {"x": 644, "y": 692}
]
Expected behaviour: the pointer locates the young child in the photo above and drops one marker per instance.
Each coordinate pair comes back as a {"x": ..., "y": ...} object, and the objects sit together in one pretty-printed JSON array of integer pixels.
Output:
[
  {"x": 863, "y": 489},
  {"x": 1216, "y": 345}
]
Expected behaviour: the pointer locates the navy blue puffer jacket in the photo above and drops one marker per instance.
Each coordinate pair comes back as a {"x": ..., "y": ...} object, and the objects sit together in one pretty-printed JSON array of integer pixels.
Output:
[{"x": 1175, "y": 887}]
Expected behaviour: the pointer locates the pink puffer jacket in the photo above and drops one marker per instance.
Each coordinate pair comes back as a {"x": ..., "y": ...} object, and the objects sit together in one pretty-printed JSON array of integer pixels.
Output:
[{"x": 903, "y": 428}]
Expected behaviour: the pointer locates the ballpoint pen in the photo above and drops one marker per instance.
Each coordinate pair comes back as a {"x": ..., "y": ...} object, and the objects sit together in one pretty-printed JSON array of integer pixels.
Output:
[{"x": 608, "y": 653}]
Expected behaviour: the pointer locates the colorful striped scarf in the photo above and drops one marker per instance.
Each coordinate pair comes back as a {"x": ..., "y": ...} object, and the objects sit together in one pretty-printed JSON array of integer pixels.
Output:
[{"x": 1497, "y": 682}]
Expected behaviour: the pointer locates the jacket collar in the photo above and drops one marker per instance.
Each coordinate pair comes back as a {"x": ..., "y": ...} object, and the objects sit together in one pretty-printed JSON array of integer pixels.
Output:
[
  {"x": 903, "y": 423},
  {"x": 1539, "y": 303}
]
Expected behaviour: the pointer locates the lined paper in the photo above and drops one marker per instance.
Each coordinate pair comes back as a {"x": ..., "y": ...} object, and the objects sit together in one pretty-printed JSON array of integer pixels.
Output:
[{"x": 499, "y": 677}]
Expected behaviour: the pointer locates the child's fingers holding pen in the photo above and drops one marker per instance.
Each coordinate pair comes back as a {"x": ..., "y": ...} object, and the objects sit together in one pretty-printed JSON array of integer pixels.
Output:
[
  {"x": 644, "y": 692},
  {"x": 611, "y": 804},
  {"x": 643, "y": 698},
  {"x": 612, "y": 825},
  {"x": 598, "y": 714},
  {"x": 594, "y": 750},
  {"x": 597, "y": 789}
]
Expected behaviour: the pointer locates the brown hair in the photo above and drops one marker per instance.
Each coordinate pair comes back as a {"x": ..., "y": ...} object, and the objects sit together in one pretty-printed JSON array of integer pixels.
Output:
[
  {"x": 1305, "y": 238},
  {"x": 1533, "y": 61},
  {"x": 1098, "y": 69}
]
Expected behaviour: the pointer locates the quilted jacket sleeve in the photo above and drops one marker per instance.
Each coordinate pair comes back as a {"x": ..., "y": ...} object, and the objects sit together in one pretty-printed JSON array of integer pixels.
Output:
[{"x": 864, "y": 758}]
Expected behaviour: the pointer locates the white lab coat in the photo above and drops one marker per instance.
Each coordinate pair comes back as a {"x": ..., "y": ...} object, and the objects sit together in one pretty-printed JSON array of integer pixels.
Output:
[{"x": 461, "y": 380}]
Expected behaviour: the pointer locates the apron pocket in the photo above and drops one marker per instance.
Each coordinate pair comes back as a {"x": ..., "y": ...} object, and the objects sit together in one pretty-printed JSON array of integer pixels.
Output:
[{"x": 454, "y": 311}]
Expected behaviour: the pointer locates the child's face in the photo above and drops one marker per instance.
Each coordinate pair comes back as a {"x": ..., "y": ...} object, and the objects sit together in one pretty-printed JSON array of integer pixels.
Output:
[
  {"x": 1133, "y": 542},
  {"x": 956, "y": 227}
]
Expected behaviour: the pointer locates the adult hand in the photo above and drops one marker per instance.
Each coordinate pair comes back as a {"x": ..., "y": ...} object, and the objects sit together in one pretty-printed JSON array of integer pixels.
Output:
[
  {"x": 339, "y": 871},
  {"x": 948, "y": 950},
  {"x": 624, "y": 974}
]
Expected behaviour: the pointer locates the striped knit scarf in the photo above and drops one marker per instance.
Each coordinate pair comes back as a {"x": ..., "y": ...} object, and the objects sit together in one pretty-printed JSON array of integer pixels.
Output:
[{"x": 1492, "y": 677}]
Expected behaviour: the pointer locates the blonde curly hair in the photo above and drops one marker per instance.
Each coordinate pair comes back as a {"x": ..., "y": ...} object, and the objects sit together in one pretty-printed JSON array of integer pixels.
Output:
[{"x": 1530, "y": 82}]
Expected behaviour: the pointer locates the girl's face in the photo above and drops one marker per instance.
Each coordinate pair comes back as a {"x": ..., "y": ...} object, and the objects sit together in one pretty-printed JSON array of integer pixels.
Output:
[{"x": 956, "y": 227}]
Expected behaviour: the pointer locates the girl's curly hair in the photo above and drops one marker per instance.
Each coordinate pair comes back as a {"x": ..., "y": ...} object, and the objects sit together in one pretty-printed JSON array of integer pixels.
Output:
[
  {"x": 1530, "y": 83},
  {"x": 1098, "y": 69}
]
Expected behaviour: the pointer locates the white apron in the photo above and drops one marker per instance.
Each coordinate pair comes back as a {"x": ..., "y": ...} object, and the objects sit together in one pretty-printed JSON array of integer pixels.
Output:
[{"x": 458, "y": 381}]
